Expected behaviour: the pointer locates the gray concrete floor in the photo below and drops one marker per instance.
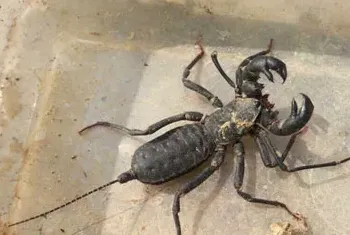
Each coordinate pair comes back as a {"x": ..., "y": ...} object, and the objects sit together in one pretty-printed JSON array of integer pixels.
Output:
[{"x": 67, "y": 64}]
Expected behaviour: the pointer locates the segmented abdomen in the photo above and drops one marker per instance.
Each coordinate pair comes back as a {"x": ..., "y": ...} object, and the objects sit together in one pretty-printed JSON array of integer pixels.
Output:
[{"x": 172, "y": 154}]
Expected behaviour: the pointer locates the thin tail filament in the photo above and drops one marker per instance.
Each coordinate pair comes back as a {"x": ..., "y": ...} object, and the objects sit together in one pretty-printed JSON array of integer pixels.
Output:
[{"x": 122, "y": 178}]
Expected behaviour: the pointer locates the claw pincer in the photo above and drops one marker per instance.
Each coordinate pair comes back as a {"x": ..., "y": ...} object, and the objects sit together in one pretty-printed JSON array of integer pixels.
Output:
[
  {"x": 263, "y": 64},
  {"x": 297, "y": 119},
  {"x": 247, "y": 77}
]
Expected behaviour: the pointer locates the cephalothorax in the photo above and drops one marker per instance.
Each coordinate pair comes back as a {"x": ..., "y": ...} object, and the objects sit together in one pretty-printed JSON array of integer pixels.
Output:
[{"x": 184, "y": 148}]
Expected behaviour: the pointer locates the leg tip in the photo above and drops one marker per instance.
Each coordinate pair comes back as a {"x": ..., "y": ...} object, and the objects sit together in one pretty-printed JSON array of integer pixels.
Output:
[{"x": 81, "y": 131}]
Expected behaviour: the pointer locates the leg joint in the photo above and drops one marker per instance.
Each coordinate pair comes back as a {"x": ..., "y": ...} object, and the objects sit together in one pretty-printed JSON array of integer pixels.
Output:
[{"x": 185, "y": 74}]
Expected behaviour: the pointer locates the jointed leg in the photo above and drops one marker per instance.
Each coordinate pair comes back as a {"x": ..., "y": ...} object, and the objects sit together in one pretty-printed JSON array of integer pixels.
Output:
[
  {"x": 188, "y": 116},
  {"x": 291, "y": 143},
  {"x": 238, "y": 182},
  {"x": 288, "y": 147},
  {"x": 313, "y": 166},
  {"x": 267, "y": 159},
  {"x": 280, "y": 160},
  {"x": 194, "y": 183},
  {"x": 268, "y": 152},
  {"x": 216, "y": 102}
]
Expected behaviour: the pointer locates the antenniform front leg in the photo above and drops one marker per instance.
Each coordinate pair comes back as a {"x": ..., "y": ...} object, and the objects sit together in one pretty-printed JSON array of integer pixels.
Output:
[{"x": 216, "y": 102}]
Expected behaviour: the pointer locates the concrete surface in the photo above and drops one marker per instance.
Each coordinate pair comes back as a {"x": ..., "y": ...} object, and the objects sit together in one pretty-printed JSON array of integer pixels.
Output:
[{"x": 67, "y": 64}]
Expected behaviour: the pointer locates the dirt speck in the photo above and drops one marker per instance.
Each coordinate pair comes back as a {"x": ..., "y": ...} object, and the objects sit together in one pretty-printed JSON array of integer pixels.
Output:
[
  {"x": 95, "y": 34},
  {"x": 344, "y": 133},
  {"x": 6, "y": 164},
  {"x": 16, "y": 146},
  {"x": 131, "y": 36},
  {"x": 207, "y": 10},
  {"x": 11, "y": 98},
  {"x": 33, "y": 150}
]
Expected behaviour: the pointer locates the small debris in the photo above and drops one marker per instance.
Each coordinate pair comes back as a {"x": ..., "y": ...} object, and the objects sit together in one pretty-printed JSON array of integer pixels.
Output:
[
  {"x": 62, "y": 230},
  {"x": 74, "y": 157},
  {"x": 95, "y": 34},
  {"x": 131, "y": 36},
  {"x": 280, "y": 228},
  {"x": 223, "y": 35},
  {"x": 17, "y": 79},
  {"x": 207, "y": 10},
  {"x": 145, "y": 64},
  {"x": 297, "y": 227}
]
